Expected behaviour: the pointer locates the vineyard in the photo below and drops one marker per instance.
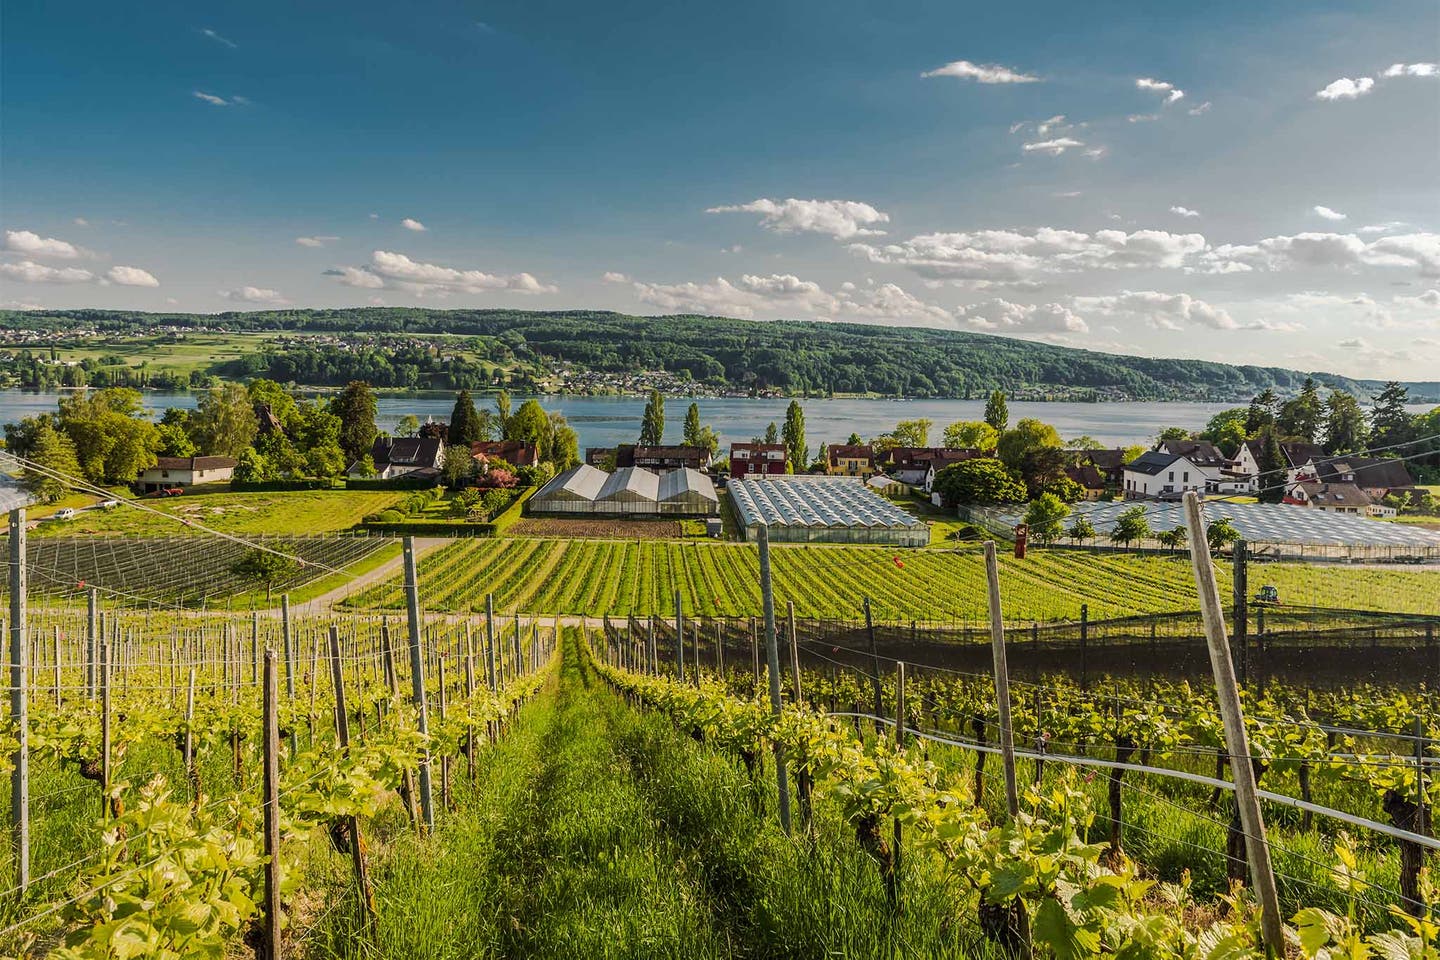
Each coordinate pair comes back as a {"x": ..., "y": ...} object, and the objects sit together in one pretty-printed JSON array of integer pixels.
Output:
[{"x": 583, "y": 577}]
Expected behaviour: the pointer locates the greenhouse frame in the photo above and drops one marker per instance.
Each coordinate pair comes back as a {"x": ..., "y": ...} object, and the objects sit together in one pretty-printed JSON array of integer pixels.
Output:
[
  {"x": 631, "y": 491},
  {"x": 815, "y": 509}
]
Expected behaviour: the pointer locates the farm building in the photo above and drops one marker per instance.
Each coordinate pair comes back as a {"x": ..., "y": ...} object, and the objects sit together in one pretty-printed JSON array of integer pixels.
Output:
[
  {"x": 813, "y": 509},
  {"x": 631, "y": 491}
]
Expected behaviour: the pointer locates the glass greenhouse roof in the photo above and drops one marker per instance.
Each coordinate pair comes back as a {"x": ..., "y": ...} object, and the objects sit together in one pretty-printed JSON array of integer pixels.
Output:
[{"x": 786, "y": 501}]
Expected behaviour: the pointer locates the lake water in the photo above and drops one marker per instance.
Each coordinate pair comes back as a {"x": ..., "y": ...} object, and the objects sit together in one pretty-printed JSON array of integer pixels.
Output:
[{"x": 606, "y": 421}]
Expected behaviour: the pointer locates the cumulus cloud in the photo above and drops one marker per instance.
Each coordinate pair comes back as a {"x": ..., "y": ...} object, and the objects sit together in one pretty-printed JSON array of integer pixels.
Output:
[
  {"x": 411, "y": 224},
  {"x": 1167, "y": 311},
  {"x": 1172, "y": 93},
  {"x": 28, "y": 271},
  {"x": 1346, "y": 89},
  {"x": 315, "y": 241},
  {"x": 1412, "y": 70},
  {"x": 131, "y": 277},
  {"x": 211, "y": 98},
  {"x": 981, "y": 73},
  {"x": 1011, "y": 255},
  {"x": 253, "y": 295},
  {"x": 1142, "y": 117},
  {"x": 841, "y": 219},
  {"x": 1184, "y": 211},
  {"x": 395, "y": 271},
  {"x": 1429, "y": 299},
  {"x": 1352, "y": 343},
  {"x": 745, "y": 297},
  {"x": 1389, "y": 226},
  {"x": 611, "y": 276},
  {"x": 1327, "y": 213},
  {"x": 1418, "y": 251},
  {"x": 34, "y": 245},
  {"x": 1199, "y": 109},
  {"x": 1053, "y": 147},
  {"x": 1002, "y": 316}
]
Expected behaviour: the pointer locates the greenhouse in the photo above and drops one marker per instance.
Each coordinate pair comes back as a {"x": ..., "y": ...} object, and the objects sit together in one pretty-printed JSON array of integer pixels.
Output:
[
  {"x": 688, "y": 492},
  {"x": 573, "y": 491},
  {"x": 805, "y": 509},
  {"x": 631, "y": 491}
]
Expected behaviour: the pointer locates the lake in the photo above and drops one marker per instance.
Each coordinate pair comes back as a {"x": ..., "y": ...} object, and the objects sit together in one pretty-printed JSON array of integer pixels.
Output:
[{"x": 606, "y": 421}]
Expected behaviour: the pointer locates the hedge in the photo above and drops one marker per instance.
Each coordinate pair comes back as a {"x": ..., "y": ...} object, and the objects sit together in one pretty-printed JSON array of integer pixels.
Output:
[
  {"x": 450, "y": 528},
  {"x": 395, "y": 483},
  {"x": 277, "y": 486}
]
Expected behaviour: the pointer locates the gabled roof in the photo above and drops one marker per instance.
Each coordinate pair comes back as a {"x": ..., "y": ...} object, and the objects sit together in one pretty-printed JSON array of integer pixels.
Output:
[
  {"x": 1151, "y": 462},
  {"x": 407, "y": 451},
  {"x": 194, "y": 463},
  {"x": 1373, "y": 473},
  {"x": 678, "y": 483},
  {"x": 631, "y": 481},
  {"x": 1298, "y": 454},
  {"x": 583, "y": 481},
  {"x": 1112, "y": 458},
  {"x": 1334, "y": 494},
  {"x": 1202, "y": 453},
  {"x": 1087, "y": 475},
  {"x": 846, "y": 451}
]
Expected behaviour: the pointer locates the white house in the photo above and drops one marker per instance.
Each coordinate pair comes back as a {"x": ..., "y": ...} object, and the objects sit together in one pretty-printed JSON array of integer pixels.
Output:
[
  {"x": 1157, "y": 475},
  {"x": 170, "y": 472},
  {"x": 399, "y": 456}
]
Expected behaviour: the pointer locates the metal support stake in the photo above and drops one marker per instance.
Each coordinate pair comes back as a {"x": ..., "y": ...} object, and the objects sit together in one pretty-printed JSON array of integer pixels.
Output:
[{"x": 772, "y": 657}]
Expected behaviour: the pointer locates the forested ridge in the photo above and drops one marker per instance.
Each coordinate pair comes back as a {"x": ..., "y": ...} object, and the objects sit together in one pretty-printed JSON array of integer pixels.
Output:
[{"x": 790, "y": 356}]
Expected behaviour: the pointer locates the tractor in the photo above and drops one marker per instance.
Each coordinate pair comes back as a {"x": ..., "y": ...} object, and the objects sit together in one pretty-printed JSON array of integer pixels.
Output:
[{"x": 1268, "y": 594}]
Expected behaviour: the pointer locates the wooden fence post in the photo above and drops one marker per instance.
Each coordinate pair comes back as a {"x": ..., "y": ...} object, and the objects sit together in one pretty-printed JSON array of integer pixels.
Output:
[
  {"x": 772, "y": 659},
  {"x": 794, "y": 649},
  {"x": 288, "y": 635},
  {"x": 271, "y": 745},
  {"x": 679, "y": 639},
  {"x": 352, "y": 823},
  {"x": 874, "y": 669},
  {"x": 19, "y": 705},
  {"x": 92, "y": 633},
  {"x": 1002, "y": 678},
  {"x": 1236, "y": 740},
  {"x": 417, "y": 679}
]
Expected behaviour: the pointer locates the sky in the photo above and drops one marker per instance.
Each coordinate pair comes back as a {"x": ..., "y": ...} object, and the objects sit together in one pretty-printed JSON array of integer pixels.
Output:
[{"x": 1250, "y": 183}]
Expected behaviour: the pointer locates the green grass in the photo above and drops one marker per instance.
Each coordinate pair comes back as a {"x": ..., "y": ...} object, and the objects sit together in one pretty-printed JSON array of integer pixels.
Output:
[
  {"x": 295, "y": 513},
  {"x": 722, "y": 579}
]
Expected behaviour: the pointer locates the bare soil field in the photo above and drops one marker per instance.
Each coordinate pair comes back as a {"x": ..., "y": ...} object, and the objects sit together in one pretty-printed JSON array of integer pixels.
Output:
[{"x": 597, "y": 527}]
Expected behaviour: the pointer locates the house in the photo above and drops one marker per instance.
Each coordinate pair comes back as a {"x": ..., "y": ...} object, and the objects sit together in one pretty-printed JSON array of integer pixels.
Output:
[
  {"x": 1298, "y": 456},
  {"x": 1377, "y": 476},
  {"x": 943, "y": 458},
  {"x": 399, "y": 456},
  {"x": 517, "y": 453},
  {"x": 665, "y": 459},
  {"x": 1109, "y": 461},
  {"x": 1157, "y": 475},
  {"x": 1202, "y": 453},
  {"x": 747, "y": 459},
  {"x": 1330, "y": 497},
  {"x": 885, "y": 486},
  {"x": 598, "y": 457},
  {"x": 1090, "y": 479},
  {"x": 185, "y": 472},
  {"x": 850, "y": 460}
]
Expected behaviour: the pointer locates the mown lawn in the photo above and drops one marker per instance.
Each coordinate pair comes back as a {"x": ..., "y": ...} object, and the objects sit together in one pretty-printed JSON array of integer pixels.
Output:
[{"x": 293, "y": 513}]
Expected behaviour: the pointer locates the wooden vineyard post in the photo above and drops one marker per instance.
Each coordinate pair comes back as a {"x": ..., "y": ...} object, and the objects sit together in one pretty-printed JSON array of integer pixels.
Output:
[
  {"x": 19, "y": 707},
  {"x": 407, "y": 782},
  {"x": 719, "y": 651},
  {"x": 271, "y": 744},
  {"x": 92, "y": 632},
  {"x": 58, "y": 670},
  {"x": 1002, "y": 678},
  {"x": 104, "y": 678},
  {"x": 289, "y": 640},
  {"x": 874, "y": 668},
  {"x": 192, "y": 770},
  {"x": 900, "y": 748},
  {"x": 444, "y": 757},
  {"x": 352, "y": 823},
  {"x": 490, "y": 641},
  {"x": 794, "y": 649},
  {"x": 654, "y": 650},
  {"x": 772, "y": 659},
  {"x": 469, "y": 705},
  {"x": 679, "y": 639},
  {"x": 755, "y": 655},
  {"x": 1237, "y": 743},
  {"x": 254, "y": 647},
  {"x": 417, "y": 679},
  {"x": 1084, "y": 646},
  {"x": 1240, "y": 595}
]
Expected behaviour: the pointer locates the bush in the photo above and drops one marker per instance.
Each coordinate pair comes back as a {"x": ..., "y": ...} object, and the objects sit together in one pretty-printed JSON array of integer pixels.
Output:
[
  {"x": 278, "y": 486},
  {"x": 387, "y": 516}
]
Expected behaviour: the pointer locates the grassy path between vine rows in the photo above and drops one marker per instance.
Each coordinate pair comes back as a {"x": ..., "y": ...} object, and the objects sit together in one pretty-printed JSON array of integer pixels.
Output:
[{"x": 598, "y": 831}]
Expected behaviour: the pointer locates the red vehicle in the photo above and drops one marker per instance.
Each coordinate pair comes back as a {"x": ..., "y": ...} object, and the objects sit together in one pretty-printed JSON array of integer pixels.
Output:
[{"x": 168, "y": 492}]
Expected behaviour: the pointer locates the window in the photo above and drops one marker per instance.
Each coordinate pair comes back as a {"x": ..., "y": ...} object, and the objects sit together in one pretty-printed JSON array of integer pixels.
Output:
[
  {"x": 1172, "y": 475},
  {"x": 1186, "y": 478}
]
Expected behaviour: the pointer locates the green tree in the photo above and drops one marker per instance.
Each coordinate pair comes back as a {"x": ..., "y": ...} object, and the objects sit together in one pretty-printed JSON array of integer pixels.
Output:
[
  {"x": 465, "y": 422},
  {"x": 275, "y": 398},
  {"x": 1045, "y": 517},
  {"x": 652, "y": 421},
  {"x": 997, "y": 412},
  {"x": 565, "y": 443},
  {"x": 174, "y": 441},
  {"x": 317, "y": 438},
  {"x": 1081, "y": 530},
  {"x": 409, "y": 425},
  {"x": 1272, "y": 469},
  {"x": 1219, "y": 534},
  {"x": 1172, "y": 435},
  {"x": 1172, "y": 539},
  {"x": 114, "y": 440},
  {"x": 692, "y": 426},
  {"x": 52, "y": 452},
  {"x": 1261, "y": 412},
  {"x": 1227, "y": 430},
  {"x": 1345, "y": 428},
  {"x": 355, "y": 406},
  {"x": 252, "y": 466},
  {"x": 1302, "y": 417},
  {"x": 502, "y": 414},
  {"x": 1028, "y": 436},
  {"x": 971, "y": 434},
  {"x": 458, "y": 466},
  {"x": 463, "y": 502},
  {"x": 224, "y": 422},
  {"x": 1131, "y": 526},
  {"x": 854, "y": 440},
  {"x": 910, "y": 433},
  {"x": 983, "y": 480},
  {"x": 772, "y": 433},
  {"x": 797, "y": 451},
  {"x": 1389, "y": 420},
  {"x": 265, "y": 567}
]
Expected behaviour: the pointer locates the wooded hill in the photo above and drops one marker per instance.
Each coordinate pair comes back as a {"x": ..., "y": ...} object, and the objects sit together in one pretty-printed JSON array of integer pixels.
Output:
[{"x": 791, "y": 356}]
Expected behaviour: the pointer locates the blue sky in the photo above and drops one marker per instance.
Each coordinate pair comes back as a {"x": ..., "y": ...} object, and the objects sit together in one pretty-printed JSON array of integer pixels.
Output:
[{"x": 1244, "y": 182}]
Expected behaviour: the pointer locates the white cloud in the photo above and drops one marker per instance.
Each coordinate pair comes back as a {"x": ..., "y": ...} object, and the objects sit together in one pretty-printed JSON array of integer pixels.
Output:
[
  {"x": 1429, "y": 299},
  {"x": 1044, "y": 127},
  {"x": 398, "y": 272},
  {"x": 210, "y": 98},
  {"x": 1172, "y": 92},
  {"x": 1352, "y": 343},
  {"x": 315, "y": 241},
  {"x": 1412, "y": 70},
  {"x": 1389, "y": 226},
  {"x": 28, "y": 271},
  {"x": 253, "y": 295},
  {"x": 1184, "y": 211},
  {"x": 1327, "y": 213},
  {"x": 1142, "y": 117},
  {"x": 981, "y": 73},
  {"x": 217, "y": 38},
  {"x": 611, "y": 276},
  {"x": 1419, "y": 251},
  {"x": 1067, "y": 194},
  {"x": 1003, "y": 316},
  {"x": 1053, "y": 147},
  {"x": 1199, "y": 109},
  {"x": 1346, "y": 89},
  {"x": 840, "y": 219},
  {"x": 80, "y": 222},
  {"x": 34, "y": 245},
  {"x": 411, "y": 224},
  {"x": 1095, "y": 152},
  {"x": 131, "y": 277},
  {"x": 1011, "y": 255},
  {"x": 1166, "y": 311},
  {"x": 744, "y": 298}
]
